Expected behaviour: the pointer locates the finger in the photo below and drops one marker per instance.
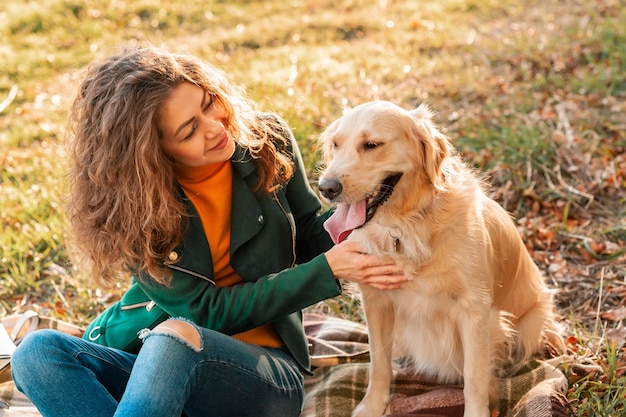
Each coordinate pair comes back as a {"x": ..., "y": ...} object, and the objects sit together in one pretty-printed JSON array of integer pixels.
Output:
[
  {"x": 385, "y": 270},
  {"x": 369, "y": 261},
  {"x": 386, "y": 287},
  {"x": 386, "y": 280}
]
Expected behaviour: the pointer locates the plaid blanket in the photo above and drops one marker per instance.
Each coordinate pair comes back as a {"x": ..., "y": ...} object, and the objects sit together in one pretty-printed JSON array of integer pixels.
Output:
[
  {"x": 340, "y": 354},
  {"x": 340, "y": 357},
  {"x": 12, "y": 402}
]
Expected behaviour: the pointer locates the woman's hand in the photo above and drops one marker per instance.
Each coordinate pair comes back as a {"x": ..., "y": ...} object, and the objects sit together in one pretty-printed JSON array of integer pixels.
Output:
[{"x": 348, "y": 261}]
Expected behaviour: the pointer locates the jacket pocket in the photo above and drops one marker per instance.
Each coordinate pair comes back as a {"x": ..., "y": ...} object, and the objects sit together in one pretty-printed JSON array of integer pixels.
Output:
[{"x": 119, "y": 325}]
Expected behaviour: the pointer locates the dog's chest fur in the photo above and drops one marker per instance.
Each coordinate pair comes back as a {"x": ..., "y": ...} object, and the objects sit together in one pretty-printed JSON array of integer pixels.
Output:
[
  {"x": 425, "y": 328},
  {"x": 429, "y": 309}
]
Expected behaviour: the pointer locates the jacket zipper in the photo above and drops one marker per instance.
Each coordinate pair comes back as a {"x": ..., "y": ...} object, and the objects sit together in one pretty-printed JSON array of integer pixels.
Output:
[
  {"x": 195, "y": 274},
  {"x": 291, "y": 226},
  {"x": 149, "y": 305}
]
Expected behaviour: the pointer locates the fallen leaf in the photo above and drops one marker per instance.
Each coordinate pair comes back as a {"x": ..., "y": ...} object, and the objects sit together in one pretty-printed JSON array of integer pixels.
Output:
[
  {"x": 617, "y": 337},
  {"x": 616, "y": 314}
]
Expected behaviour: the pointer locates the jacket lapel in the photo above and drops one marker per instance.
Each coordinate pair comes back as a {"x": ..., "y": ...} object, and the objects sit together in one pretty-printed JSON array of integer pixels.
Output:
[
  {"x": 195, "y": 251},
  {"x": 247, "y": 217}
]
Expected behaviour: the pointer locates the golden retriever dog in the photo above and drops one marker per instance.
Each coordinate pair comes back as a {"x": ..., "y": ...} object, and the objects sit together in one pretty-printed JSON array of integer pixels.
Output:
[{"x": 476, "y": 299}]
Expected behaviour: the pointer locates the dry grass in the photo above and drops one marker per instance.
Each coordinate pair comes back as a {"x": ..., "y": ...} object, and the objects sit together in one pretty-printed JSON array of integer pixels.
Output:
[{"x": 532, "y": 94}]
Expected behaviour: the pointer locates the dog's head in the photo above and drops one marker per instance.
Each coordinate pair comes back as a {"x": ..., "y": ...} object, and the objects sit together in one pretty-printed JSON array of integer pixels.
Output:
[{"x": 379, "y": 156}]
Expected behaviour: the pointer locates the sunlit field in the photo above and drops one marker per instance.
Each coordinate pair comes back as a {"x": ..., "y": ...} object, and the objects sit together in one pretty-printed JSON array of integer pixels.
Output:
[{"x": 532, "y": 94}]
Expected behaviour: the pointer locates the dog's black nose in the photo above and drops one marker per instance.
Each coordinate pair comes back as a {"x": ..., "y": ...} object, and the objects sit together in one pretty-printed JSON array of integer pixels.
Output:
[{"x": 330, "y": 188}]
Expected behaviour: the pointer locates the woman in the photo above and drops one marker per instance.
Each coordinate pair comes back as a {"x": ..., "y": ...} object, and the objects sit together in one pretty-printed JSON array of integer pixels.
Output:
[{"x": 178, "y": 181}]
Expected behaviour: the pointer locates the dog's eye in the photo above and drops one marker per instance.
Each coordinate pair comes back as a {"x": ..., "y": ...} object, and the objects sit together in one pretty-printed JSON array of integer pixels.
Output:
[{"x": 370, "y": 145}]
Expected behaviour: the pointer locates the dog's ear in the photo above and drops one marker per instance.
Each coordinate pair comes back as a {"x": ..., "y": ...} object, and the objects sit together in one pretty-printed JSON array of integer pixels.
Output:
[
  {"x": 434, "y": 144},
  {"x": 436, "y": 151},
  {"x": 325, "y": 141}
]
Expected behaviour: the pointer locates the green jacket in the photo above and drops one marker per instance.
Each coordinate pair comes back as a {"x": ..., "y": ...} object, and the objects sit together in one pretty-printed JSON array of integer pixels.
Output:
[{"x": 276, "y": 246}]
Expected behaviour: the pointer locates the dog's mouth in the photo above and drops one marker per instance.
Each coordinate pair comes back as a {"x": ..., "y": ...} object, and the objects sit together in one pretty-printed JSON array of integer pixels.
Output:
[
  {"x": 350, "y": 216},
  {"x": 382, "y": 194}
]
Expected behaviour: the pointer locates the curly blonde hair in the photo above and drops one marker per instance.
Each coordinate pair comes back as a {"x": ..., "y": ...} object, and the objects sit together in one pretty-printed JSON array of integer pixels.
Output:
[{"x": 124, "y": 206}]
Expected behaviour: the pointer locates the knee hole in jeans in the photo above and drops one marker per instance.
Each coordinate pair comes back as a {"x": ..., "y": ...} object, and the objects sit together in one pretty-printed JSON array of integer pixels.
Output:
[{"x": 181, "y": 329}]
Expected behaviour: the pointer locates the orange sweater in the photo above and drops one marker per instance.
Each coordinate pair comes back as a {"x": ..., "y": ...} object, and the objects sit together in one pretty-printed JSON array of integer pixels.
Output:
[{"x": 210, "y": 190}]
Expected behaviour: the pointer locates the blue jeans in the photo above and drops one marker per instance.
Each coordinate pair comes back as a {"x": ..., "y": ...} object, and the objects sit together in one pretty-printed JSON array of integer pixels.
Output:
[{"x": 70, "y": 377}]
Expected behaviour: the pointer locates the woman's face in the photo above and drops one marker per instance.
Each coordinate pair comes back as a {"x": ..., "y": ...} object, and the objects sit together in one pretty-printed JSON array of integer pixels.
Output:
[{"x": 194, "y": 127}]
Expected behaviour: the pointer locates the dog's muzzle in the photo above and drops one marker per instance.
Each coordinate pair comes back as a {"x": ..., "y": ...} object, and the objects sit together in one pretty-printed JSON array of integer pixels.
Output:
[{"x": 331, "y": 188}]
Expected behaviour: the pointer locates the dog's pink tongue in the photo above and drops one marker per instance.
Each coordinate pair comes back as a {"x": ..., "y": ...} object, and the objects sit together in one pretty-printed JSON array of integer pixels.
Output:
[{"x": 346, "y": 218}]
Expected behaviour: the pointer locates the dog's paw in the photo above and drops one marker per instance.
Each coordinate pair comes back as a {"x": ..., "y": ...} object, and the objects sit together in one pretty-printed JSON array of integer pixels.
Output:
[
  {"x": 474, "y": 410},
  {"x": 367, "y": 409}
]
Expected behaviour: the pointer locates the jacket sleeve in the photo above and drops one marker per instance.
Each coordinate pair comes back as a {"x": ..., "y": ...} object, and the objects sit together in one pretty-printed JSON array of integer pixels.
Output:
[
  {"x": 232, "y": 310},
  {"x": 271, "y": 289}
]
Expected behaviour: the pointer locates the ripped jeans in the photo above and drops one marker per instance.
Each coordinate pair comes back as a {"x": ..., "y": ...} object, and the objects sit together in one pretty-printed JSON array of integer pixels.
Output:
[{"x": 71, "y": 377}]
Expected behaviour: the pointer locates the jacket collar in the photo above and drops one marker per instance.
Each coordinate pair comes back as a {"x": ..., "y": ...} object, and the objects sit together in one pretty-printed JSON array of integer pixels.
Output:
[{"x": 243, "y": 163}]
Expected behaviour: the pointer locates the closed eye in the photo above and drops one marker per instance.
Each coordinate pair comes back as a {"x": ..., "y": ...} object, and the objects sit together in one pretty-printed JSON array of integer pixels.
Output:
[
  {"x": 371, "y": 145},
  {"x": 191, "y": 132},
  {"x": 205, "y": 107}
]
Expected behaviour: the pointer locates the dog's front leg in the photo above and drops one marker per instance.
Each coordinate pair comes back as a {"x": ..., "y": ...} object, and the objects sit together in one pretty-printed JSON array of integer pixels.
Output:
[
  {"x": 380, "y": 316},
  {"x": 477, "y": 363}
]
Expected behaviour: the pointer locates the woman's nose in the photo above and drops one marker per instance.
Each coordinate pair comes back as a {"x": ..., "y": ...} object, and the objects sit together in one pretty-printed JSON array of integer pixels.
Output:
[{"x": 212, "y": 127}]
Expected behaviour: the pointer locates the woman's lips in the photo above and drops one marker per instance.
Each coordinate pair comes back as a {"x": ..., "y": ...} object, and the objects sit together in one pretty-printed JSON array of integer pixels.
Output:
[{"x": 221, "y": 144}]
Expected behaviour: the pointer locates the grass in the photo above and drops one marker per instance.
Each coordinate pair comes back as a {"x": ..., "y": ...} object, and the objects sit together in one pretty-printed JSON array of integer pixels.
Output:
[
  {"x": 532, "y": 95},
  {"x": 598, "y": 396}
]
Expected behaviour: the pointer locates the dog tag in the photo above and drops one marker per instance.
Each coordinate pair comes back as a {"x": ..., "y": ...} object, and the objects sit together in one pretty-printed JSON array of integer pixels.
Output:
[{"x": 395, "y": 234}]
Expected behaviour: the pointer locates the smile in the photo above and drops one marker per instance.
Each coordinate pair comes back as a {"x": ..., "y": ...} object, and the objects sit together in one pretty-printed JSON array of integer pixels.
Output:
[{"x": 221, "y": 144}]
